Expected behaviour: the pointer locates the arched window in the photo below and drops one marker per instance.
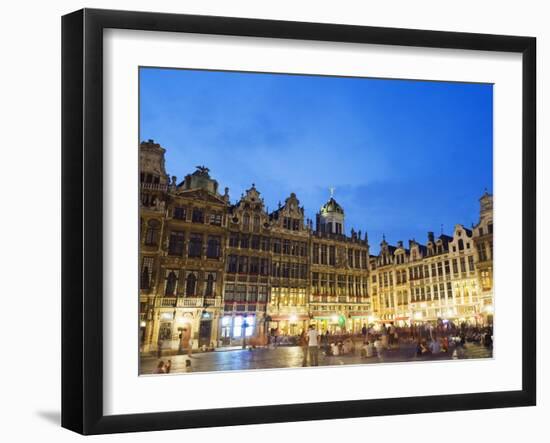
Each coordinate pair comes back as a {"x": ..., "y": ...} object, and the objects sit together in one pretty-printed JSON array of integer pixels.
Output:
[
  {"x": 171, "y": 282},
  {"x": 191, "y": 285},
  {"x": 209, "y": 291},
  {"x": 152, "y": 233}
]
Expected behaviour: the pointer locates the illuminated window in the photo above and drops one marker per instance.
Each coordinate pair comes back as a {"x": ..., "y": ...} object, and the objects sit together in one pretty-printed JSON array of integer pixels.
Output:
[
  {"x": 246, "y": 323},
  {"x": 237, "y": 326}
]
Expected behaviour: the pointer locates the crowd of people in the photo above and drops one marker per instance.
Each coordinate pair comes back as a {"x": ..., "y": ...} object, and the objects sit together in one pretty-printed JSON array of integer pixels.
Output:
[{"x": 444, "y": 338}]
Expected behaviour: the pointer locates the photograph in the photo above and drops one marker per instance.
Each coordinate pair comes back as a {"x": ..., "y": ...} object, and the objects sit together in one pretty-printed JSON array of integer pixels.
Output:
[{"x": 295, "y": 220}]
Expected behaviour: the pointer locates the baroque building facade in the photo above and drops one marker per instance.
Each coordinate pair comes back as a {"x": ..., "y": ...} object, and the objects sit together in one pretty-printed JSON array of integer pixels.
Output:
[{"x": 227, "y": 273}]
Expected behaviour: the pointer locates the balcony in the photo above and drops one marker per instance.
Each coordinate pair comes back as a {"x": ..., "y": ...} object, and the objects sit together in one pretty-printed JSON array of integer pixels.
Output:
[
  {"x": 166, "y": 302},
  {"x": 187, "y": 302},
  {"x": 191, "y": 302},
  {"x": 154, "y": 186}
]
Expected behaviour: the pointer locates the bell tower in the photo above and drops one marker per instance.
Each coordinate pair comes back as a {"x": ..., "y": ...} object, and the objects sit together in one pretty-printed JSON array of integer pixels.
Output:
[{"x": 330, "y": 218}]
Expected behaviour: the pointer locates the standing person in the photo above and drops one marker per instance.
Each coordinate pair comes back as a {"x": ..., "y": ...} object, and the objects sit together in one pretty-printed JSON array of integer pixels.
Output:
[
  {"x": 364, "y": 332},
  {"x": 159, "y": 348},
  {"x": 327, "y": 344},
  {"x": 167, "y": 367},
  {"x": 313, "y": 346},
  {"x": 391, "y": 333},
  {"x": 304, "y": 345},
  {"x": 186, "y": 342}
]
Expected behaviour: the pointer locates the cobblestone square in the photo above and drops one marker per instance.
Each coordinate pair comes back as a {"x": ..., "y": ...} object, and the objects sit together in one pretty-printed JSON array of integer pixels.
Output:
[{"x": 291, "y": 357}]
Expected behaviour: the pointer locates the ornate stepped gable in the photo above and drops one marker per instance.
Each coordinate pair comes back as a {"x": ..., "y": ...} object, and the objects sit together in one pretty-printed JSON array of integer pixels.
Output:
[{"x": 249, "y": 211}]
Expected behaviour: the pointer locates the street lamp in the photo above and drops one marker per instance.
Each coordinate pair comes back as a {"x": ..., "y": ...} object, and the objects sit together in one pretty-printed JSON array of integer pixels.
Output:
[{"x": 245, "y": 325}]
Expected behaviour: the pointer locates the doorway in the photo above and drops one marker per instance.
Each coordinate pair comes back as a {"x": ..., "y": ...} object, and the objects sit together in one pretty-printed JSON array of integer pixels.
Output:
[{"x": 205, "y": 330}]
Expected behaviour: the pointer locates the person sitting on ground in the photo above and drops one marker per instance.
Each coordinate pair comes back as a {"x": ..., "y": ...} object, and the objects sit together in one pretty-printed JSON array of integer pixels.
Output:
[
  {"x": 435, "y": 348},
  {"x": 348, "y": 346},
  {"x": 418, "y": 348},
  {"x": 160, "y": 368},
  {"x": 445, "y": 344},
  {"x": 379, "y": 346},
  {"x": 424, "y": 347},
  {"x": 368, "y": 348}
]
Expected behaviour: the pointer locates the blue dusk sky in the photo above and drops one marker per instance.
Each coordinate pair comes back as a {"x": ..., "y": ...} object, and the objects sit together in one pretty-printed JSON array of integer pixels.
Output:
[{"x": 405, "y": 157}]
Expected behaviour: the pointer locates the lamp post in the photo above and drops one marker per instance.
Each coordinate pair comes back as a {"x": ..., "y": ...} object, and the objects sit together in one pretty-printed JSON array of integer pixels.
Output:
[
  {"x": 245, "y": 325},
  {"x": 267, "y": 319}
]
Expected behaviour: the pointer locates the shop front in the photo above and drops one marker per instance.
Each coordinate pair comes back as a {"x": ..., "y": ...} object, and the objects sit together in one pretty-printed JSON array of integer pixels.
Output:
[
  {"x": 333, "y": 323},
  {"x": 289, "y": 325},
  {"x": 236, "y": 328},
  {"x": 357, "y": 320}
]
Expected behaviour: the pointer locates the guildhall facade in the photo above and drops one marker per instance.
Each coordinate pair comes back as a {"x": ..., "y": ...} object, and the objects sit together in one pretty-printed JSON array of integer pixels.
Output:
[{"x": 232, "y": 272}]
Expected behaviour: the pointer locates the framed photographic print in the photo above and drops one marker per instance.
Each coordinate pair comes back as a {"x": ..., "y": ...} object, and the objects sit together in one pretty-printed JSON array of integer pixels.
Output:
[{"x": 269, "y": 221}]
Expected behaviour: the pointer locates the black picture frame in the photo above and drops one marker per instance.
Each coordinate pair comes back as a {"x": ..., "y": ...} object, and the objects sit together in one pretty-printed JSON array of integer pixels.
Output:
[{"x": 82, "y": 218}]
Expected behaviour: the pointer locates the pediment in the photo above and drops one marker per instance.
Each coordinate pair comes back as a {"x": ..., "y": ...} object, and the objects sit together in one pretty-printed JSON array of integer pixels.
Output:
[{"x": 201, "y": 195}]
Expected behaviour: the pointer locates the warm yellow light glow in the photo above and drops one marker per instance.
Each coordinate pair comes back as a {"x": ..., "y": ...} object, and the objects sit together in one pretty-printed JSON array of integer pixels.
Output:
[
  {"x": 489, "y": 309},
  {"x": 334, "y": 318},
  {"x": 142, "y": 324},
  {"x": 293, "y": 318}
]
